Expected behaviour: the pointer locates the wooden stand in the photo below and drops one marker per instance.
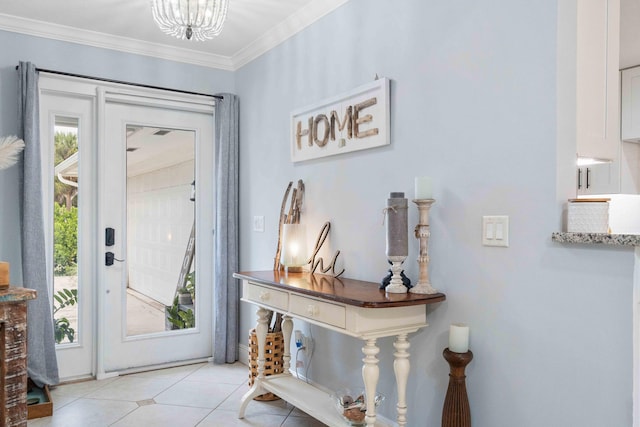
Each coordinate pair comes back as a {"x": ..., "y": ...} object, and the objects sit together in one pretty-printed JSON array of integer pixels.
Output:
[
  {"x": 456, "y": 411},
  {"x": 13, "y": 356}
]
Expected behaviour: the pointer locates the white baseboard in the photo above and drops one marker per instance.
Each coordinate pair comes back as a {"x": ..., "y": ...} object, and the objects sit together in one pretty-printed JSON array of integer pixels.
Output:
[{"x": 243, "y": 356}]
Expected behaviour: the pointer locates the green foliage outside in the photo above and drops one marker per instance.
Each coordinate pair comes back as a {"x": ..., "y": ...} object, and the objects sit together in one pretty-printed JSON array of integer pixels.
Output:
[
  {"x": 183, "y": 319},
  {"x": 65, "y": 237},
  {"x": 61, "y": 326},
  {"x": 180, "y": 319},
  {"x": 190, "y": 286},
  {"x": 65, "y": 211}
]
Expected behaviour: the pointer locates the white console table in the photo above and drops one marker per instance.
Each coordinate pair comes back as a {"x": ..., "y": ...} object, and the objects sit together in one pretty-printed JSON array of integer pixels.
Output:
[{"x": 350, "y": 307}]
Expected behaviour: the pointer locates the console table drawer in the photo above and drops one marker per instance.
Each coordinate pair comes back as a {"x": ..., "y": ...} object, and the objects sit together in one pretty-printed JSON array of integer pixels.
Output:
[
  {"x": 324, "y": 312},
  {"x": 266, "y": 296}
]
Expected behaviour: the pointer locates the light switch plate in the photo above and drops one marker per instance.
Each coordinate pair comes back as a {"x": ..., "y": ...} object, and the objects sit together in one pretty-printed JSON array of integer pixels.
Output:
[
  {"x": 495, "y": 230},
  {"x": 258, "y": 223}
]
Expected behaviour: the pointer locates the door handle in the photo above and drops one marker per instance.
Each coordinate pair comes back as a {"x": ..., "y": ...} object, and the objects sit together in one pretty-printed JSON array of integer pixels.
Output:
[
  {"x": 588, "y": 172},
  {"x": 579, "y": 178},
  {"x": 109, "y": 258}
]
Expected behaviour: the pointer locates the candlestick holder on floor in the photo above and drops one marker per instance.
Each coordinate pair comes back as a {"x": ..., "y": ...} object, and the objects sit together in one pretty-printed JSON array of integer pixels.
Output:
[
  {"x": 422, "y": 233},
  {"x": 456, "y": 411}
]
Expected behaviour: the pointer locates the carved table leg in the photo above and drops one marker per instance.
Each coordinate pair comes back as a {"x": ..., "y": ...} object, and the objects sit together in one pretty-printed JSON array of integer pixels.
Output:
[
  {"x": 261, "y": 335},
  {"x": 401, "y": 367},
  {"x": 287, "y": 328},
  {"x": 370, "y": 375}
]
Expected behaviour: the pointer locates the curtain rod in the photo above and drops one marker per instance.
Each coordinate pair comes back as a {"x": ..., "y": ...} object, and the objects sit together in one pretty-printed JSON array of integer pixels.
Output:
[{"x": 62, "y": 73}]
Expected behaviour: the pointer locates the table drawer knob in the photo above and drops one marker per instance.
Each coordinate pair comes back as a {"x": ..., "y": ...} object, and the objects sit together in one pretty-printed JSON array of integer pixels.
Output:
[
  {"x": 312, "y": 310},
  {"x": 264, "y": 296}
]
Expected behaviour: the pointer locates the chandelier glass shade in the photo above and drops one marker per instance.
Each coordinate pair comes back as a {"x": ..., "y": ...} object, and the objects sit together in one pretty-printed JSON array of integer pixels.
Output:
[{"x": 190, "y": 19}]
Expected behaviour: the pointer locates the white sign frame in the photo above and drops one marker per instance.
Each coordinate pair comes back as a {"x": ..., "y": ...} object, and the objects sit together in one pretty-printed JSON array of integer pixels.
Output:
[{"x": 356, "y": 120}]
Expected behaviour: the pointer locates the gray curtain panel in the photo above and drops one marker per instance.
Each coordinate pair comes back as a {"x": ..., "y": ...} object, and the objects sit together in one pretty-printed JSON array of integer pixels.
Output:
[
  {"x": 42, "y": 365},
  {"x": 226, "y": 294}
]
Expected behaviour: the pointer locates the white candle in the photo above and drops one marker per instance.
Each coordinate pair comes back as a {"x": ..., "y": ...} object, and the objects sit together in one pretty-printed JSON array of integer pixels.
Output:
[
  {"x": 294, "y": 245},
  {"x": 423, "y": 187},
  {"x": 459, "y": 338}
]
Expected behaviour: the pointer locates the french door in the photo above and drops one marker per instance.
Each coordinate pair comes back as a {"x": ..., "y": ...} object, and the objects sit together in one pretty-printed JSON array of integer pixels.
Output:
[
  {"x": 157, "y": 187},
  {"x": 129, "y": 173}
]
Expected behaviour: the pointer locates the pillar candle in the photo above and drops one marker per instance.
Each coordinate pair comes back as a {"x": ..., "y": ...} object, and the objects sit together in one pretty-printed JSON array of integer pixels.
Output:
[
  {"x": 294, "y": 245},
  {"x": 397, "y": 225},
  {"x": 459, "y": 338},
  {"x": 4, "y": 273},
  {"x": 423, "y": 188}
]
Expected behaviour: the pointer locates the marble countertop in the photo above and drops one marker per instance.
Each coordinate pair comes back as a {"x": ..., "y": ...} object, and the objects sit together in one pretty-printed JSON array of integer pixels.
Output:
[{"x": 597, "y": 238}]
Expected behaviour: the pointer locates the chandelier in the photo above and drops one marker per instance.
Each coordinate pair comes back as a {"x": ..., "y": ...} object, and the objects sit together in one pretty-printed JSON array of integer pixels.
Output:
[{"x": 190, "y": 19}]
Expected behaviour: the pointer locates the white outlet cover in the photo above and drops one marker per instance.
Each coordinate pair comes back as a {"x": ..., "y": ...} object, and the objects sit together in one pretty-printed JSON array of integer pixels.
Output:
[{"x": 258, "y": 223}]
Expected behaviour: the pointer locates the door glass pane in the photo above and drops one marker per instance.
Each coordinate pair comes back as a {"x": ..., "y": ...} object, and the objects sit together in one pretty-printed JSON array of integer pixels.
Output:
[
  {"x": 65, "y": 230},
  {"x": 160, "y": 230}
]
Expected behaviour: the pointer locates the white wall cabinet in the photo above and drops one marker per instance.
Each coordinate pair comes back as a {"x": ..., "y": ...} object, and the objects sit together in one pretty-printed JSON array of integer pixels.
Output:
[
  {"x": 631, "y": 104},
  {"x": 597, "y": 79},
  {"x": 597, "y": 179},
  {"x": 621, "y": 176}
]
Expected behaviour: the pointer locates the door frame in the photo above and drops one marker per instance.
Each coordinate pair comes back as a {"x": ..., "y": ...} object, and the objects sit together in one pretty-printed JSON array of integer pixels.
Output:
[
  {"x": 72, "y": 357},
  {"x": 98, "y": 91},
  {"x": 204, "y": 216}
]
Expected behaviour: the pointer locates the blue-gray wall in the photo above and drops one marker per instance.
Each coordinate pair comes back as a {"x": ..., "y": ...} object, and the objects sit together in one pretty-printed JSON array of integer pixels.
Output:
[
  {"x": 473, "y": 104},
  {"x": 84, "y": 60}
]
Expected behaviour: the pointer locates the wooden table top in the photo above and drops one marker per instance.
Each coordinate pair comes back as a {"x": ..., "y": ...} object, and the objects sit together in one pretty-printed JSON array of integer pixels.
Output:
[
  {"x": 348, "y": 291},
  {"x": 14, "y": 294}
]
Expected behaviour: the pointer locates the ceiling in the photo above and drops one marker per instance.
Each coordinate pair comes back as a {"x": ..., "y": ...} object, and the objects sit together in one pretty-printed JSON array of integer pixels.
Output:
[
  {"x": 252, "y": 27},
  {"x": 150, "y": 149}
]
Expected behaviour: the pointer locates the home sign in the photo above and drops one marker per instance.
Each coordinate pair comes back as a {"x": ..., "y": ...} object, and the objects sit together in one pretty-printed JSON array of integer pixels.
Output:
[{"x": 356, "y": 120}]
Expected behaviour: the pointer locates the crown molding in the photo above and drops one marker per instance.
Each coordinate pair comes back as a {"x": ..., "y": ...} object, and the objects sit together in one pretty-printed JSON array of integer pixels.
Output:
[
  {"x": 107, "y": 41},
  {"x": 286, "y": 29}
]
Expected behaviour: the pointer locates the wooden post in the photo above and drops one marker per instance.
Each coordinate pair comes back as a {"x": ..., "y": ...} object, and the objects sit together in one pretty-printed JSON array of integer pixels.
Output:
[
  {"x": 456, "y": 411},
  {"x": 13, "y": 356}
]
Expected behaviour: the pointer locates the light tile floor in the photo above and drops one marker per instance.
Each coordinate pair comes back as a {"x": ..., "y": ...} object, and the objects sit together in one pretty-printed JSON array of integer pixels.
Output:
[{"x": 203, "y": 395}]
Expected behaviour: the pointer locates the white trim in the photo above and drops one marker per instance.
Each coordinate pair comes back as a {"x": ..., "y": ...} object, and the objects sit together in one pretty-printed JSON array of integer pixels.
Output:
[
  {"x": 100, "y": 325},
  {"x": 243, "y": 354},
  {"x": 122, "y": 92},
  {"x": 286, "y": 29},
  {"x": 160, "y": 366},
  {"x": 48, "y": 30},
  {"x": 295, "y": 23}
]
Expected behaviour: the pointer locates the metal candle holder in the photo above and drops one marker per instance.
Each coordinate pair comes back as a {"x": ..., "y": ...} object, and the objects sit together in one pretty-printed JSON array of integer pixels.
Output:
[
  {"x": 422, "y": 233},
  {"x": 397, "y": 241}
]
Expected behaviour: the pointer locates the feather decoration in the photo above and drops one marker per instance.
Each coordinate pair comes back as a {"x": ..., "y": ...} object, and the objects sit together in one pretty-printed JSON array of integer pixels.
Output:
[{"x": 10, "y": 147}]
